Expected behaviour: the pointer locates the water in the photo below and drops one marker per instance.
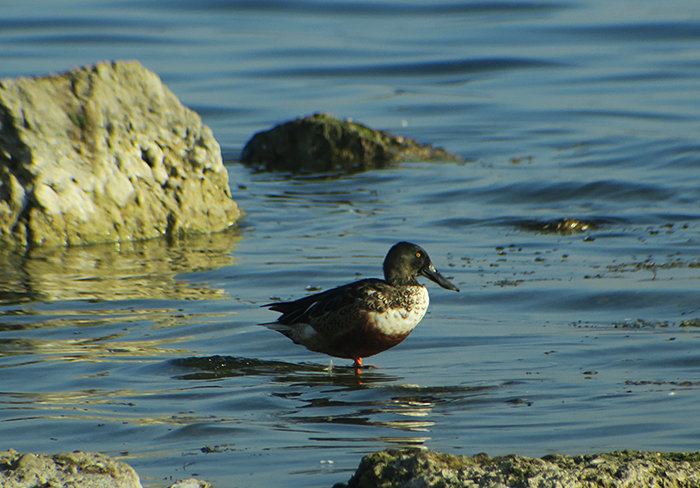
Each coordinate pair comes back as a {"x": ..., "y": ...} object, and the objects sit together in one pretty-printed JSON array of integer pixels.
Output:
[{"x": 569, "y": 343}]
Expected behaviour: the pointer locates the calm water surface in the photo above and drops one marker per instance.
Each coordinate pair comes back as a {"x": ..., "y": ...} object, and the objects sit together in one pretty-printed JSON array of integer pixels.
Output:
[{"x": 558, "y": 342}]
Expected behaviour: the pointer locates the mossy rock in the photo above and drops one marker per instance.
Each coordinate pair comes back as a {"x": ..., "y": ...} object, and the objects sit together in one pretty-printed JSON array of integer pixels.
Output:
[{"x": 322, "y": 143}]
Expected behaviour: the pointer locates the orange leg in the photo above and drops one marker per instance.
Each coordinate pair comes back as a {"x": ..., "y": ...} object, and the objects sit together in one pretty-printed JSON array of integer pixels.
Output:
[{"x": 357, "y": 364}]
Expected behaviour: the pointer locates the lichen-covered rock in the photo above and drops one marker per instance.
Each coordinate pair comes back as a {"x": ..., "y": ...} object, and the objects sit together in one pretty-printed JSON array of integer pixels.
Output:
[
  {"x": 105, "y": 153},
  {"x": 87, "y": 470},
  {"x": 413, "y": 468},
  {"x": 322, "y": 143}
]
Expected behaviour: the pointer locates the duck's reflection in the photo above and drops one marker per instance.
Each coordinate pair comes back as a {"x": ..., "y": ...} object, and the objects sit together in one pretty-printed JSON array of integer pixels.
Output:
[{"x": 340, "y": 396}]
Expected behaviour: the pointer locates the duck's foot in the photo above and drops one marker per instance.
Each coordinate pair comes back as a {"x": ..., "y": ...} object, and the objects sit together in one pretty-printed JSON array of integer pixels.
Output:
[{"x": 357, "y": 365}]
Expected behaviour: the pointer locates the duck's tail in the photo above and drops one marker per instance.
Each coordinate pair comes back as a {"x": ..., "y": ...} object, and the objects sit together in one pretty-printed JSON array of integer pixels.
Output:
[{"x": 285, "y": 330}]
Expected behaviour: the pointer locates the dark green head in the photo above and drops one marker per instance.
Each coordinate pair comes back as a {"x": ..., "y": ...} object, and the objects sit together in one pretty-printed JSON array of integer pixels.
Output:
[{"x": 405, "y": 261}]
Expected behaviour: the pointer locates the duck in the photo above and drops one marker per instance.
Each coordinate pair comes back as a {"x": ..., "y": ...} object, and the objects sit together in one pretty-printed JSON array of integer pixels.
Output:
[{"x": 366, "y": 317}]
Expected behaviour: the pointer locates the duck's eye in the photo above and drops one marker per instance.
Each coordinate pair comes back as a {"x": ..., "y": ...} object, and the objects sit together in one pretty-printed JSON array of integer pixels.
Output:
[{"x": 417, "y": 254}]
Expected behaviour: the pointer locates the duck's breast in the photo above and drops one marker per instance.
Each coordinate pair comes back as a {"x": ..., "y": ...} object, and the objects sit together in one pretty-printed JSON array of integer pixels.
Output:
[{"x": 404, "y": 310}]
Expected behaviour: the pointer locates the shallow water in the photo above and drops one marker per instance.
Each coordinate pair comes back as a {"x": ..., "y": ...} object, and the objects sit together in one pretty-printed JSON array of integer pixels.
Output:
[{"x": 558, "y": 342}]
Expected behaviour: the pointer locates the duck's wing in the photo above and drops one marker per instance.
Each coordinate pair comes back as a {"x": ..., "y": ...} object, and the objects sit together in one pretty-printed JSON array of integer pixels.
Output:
[{"x": 332, "y": 306}]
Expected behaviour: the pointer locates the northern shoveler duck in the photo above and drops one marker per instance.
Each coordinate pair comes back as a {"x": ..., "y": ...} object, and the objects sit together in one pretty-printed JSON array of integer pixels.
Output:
[{"x": 364, "y": 318}]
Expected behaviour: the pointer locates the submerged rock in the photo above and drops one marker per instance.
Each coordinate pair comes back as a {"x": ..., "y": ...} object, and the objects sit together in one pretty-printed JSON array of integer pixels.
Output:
[
  {"x": 322, "y": 143},
  {"x": 561, "y": 226},
  {"x": 83, "y": 469},
  {"x": 412, "y": 468},
  {"x": 105, "y": 153}
]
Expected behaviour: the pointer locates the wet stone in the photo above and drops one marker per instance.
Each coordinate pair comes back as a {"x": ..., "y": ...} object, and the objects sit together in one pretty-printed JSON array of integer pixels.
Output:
[
  {"x": 322, "y": 143},
  {"x": 415, "y": 468}
]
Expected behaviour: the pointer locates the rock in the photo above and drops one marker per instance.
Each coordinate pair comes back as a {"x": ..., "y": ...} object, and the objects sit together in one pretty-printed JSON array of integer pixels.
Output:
[
  {"x": 562, "y": 226},
  {"x": 105, "y": 153},
  {"x": 413, "y": 468},
  {"x": 324, "y": 144},
  {"x": 191, "y": 483},
  {"x": 83, "y": 469}
]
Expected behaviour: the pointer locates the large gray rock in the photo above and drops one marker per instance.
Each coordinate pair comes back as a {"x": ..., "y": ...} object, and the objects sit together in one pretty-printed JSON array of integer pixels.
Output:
[
  {"x": 105, "y": 153},
  {"x": 83, "y": 469},
  {"x": 412, "y": 468}
]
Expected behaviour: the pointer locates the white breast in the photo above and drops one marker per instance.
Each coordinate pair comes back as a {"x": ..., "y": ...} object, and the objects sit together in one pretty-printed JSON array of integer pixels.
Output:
[{"x": 401, "y": 321}]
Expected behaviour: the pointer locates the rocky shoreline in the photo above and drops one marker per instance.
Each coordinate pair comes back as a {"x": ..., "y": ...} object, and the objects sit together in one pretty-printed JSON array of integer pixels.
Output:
[{"x": 396, "y": 468}]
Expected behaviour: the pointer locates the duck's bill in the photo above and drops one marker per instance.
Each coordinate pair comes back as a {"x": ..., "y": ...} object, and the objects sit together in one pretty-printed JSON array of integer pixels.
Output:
[{"x": 433, "y": 275}]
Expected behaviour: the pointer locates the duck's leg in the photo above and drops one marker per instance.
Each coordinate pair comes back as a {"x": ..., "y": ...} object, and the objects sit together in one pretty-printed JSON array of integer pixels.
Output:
[{"x": 357, "y": 364}]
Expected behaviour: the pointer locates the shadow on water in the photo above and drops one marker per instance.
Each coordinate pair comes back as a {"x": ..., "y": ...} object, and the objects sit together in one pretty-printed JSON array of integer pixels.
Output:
[
  {"x": 215, "y": 367},
  {"x": 318, "y": 396},
  {"x": 117, "y": 271}
]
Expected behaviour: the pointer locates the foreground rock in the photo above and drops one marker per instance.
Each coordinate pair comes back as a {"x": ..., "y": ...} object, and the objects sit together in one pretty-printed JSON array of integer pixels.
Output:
[
  {"x": 75, "y": 469},
  {"x": 324, "y": 144},
  {"x": 425, "y": 469},
  {"x": 105, "y": 153},
  {"x": 82, "y": 469}
]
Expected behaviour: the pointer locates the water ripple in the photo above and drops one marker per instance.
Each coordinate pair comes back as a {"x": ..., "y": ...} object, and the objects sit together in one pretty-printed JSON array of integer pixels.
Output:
[
  {"x": 642, "y": 32},
  {"x": 373, "y": 8},
  {"x": 432, "y": 68}
]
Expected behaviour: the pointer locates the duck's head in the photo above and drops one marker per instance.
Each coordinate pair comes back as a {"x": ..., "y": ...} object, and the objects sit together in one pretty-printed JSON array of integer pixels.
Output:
[{"x": 405, "y": 261}]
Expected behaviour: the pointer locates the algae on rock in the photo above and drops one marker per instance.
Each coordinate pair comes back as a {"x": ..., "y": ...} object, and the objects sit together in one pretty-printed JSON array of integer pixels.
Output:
[
  {"x": 105, "y": 153},
  {"x": 322, "y": 143}
]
